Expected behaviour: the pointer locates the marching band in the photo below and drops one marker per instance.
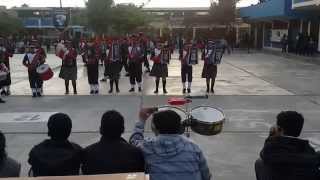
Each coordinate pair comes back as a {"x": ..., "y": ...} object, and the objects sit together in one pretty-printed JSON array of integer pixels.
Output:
[{"x": 129, "y": 53}]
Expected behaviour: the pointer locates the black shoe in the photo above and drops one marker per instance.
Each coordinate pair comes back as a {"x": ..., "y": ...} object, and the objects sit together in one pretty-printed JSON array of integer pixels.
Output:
[
  {"x": 66, "y": 93},
  {"x": 110, "y": 91},
  {"x": 156, "y": 91},
  {"x": 96, "y": 92},
  {"x": 34, "y": 95},
  {"x": 189, "y": 90},
  {"x": 103, "y": 80},
  {"x": 131, "y": 90},
  {"x": 212, "y": 91},
  {"x": 75, "y": 92},
  {"x": 2, "y": 101},
  {"x": 140, "y": 89},
  {"x": 39, "y": 94},
  {"x": 92, "y": 92},
  {"x": 127, "y": 75},
  {"x": 184, "y": 90},
  {"x": 118, "y": 90},
  {"x": 165, "y": 91},
  {"x": 148, "y": 71}
]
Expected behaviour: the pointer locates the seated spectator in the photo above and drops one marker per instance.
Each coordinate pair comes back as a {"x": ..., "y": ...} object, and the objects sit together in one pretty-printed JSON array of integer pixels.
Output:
[
  {"x": 8, "y": 166},
  {"x": 284, "y": 155},
  {"x": 112, "y": 154},
  {"x": 169, "y": 155},
  {"x": 56, "y": 156}
]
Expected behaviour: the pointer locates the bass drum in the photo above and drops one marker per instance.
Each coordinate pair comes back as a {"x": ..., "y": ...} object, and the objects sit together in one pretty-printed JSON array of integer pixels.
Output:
[{"x": 207, "y": 120}]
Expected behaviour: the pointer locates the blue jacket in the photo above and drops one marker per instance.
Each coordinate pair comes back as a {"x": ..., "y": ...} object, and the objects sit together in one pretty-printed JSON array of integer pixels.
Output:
[{"x": 171, "y": 157}]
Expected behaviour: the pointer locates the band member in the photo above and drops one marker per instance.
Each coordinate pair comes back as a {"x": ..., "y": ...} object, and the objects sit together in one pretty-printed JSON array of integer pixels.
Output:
[
  {"x": 104, "y": 54},
  {"x": 135, "y": 64},
  {"x": 5, "y": 54},
  {"x": 124, "y": 55},
  {"x": 92, "y": 62},
  {"x": 144, "y": 46},
  {"x": 4, "y": 71},
  {"x": 68, "y": 70},
  {"x": 159, "y": 70},
  {"x": 114, "y": 64},
  {"x": 190, "y": 57},
  {"x": 213, "y": 55},
  {"x": 32, "y": 60}
]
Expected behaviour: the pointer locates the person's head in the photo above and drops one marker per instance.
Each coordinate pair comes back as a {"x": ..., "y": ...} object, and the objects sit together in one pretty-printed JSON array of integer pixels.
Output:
[
  {"x": 3, "y": 153},
  {"x": 112, "y": 125},
  {"x": 59, "y": 127},
  {"x": 166, "y": 122},
  {"x": 290, "y": 123}
]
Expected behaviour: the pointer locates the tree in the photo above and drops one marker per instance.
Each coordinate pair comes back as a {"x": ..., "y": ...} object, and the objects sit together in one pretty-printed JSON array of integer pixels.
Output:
[
  {"x": 79, "y": 17},
  {"x": 99, "y": 15},
  {"x": 127, "y": 17},
  {"x": 9, "y": 24},
  {"x": 224, "y": 11}
]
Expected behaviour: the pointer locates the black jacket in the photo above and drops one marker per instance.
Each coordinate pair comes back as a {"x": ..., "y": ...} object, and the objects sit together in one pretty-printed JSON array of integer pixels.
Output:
[
  {"x": 112, "y": 156},
  {"x": 53, "y": 158},
  {"x": 291, "y": 158}
]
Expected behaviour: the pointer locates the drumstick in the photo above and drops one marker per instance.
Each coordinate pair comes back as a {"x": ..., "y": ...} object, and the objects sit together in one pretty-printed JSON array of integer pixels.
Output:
[{"x": 197, "y": 97}]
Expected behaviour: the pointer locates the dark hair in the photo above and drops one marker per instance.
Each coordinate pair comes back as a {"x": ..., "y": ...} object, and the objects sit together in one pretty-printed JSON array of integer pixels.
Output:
[
  {"x": 167, "y": 122},
  {"x": 112, "y": 125},
  {"x": 291, "y": 122},
  {"x": 59, "y": 126},
  {"x": 3, "y": 153}
]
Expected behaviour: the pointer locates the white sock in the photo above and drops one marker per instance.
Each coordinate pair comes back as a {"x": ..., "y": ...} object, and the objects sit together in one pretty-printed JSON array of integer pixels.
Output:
[
  {"x": 184, "y": 85},
  {"x": 189, "y": 85},
  {"x": 34, "y": 90},
  {"x": 139, "y": 85},
  {"x": 132, "y": 86},
  {"x": 91, "y": 87},
  {"x": 39, "y": 90},
  {"x": 97, "y": 87}
]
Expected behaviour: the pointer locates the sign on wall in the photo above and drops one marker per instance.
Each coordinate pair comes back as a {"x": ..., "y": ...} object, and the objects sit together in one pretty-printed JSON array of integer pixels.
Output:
[
  {"x": 60, "y": 18},
  {"x": 277, "y": 34}
]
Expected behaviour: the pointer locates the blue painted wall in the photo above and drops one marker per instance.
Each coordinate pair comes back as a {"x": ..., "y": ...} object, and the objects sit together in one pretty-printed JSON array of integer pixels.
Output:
[{"x": 274, "y": 9}]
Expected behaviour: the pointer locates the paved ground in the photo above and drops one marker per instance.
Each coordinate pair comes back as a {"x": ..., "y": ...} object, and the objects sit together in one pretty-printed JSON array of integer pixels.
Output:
[{"x": 251, "y": 89}]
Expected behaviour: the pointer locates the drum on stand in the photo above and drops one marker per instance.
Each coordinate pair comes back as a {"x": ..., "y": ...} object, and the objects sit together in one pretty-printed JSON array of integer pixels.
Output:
[
  {"x": 207, "y": 120},
  {"x": 45, "y": 72}
]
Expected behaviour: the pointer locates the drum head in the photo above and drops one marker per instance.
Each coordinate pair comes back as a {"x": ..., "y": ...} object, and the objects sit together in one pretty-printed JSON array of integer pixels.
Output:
[
  {"x": 42, "y": 68},
  {"x": 207, "y": 114},
  {"x": 179, "y": 111}
]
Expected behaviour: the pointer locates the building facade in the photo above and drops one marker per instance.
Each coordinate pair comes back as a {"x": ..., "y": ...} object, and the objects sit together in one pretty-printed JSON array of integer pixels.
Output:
[{"x": 272, "y": 19}]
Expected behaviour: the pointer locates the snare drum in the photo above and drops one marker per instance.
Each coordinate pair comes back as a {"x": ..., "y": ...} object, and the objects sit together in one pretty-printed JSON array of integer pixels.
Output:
[
  {"x": 207, "y": 120},
  {"x": 45, "y": 72}
]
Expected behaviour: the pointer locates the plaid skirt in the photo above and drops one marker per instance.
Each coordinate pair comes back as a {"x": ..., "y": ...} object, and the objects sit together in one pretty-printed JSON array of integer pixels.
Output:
[
  {"x": 209, "y": 71},
  {"x": 68, "y": 73},
  {"x": 159, "y": 70}
]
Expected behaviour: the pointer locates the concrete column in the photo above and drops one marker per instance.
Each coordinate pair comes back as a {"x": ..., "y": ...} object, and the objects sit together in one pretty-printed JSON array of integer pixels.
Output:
[
  {"x": 271, "y": 45},
  {"x": 309, "y": 28},
  {"x": 256, "y": 35},
  {"x": 301, "y": 26},
  {"x": 263, "y": 34},
  {"x": 237, "y": 33},
  {"x": 319, "y": 39},
  {"x": 194, "y": 33}
]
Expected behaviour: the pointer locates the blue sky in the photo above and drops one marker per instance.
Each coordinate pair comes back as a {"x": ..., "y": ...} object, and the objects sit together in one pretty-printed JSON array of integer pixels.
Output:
[{"x": 154, "y": 3}]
